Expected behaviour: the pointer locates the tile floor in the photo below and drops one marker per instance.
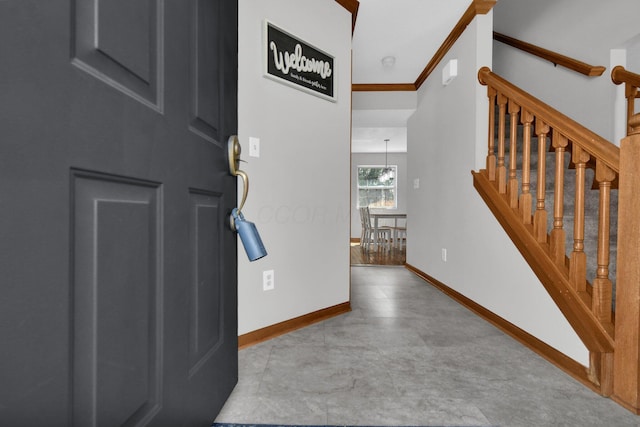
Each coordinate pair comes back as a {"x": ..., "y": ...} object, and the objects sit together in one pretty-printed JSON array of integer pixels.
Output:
[{"x": 408, "y": 355}]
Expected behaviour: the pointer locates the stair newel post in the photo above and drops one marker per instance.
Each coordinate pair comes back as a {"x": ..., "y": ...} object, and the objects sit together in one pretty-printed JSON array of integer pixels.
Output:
[
  {"x": 512, "y": 188},
  {"x": 491, "y": 154},
  {"x": 578, "y": 264},
  {"x": 631, "y": 82},
  {"x": 540, "y": 215},
  {"x": 502, "y": 169},
  {"x": 558, "y": 235},
  {"x": 626, "y": 383},
  {"x": 525, "y": 201}
]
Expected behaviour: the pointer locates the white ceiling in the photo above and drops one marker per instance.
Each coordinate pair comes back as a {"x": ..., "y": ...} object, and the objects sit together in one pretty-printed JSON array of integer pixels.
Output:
[{"x": 409, "y": 30}]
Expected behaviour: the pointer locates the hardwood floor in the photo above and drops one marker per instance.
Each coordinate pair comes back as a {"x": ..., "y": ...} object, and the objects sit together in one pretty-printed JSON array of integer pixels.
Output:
[{"x": 361, "y": 257}]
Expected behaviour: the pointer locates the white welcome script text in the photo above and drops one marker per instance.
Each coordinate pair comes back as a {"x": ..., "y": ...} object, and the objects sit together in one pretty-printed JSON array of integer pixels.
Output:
[{"x": 285, "y": 61}]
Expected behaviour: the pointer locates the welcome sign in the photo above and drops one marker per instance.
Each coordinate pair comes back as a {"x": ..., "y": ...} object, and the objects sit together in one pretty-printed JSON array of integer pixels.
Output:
[{"x": 291, "y": 61}]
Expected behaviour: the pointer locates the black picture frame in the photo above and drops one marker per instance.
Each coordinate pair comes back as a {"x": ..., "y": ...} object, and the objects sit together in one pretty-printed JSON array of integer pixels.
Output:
[{"x": 296, "y": 63}]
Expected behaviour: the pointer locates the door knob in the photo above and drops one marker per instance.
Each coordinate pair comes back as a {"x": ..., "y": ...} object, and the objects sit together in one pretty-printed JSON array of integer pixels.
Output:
[{"x": 247, "y": 230}]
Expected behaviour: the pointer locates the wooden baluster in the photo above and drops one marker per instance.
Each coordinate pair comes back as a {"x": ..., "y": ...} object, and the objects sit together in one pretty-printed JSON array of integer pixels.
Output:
[
  {"x": 558, "y": 235},
  {"x": 540, "y": 216},
  {"x": 578, "y": 264},
  {"x": 512, "y": 189},
  {"x": 601, "y": 364},
  {"x": 502, "y": 169},
  {"x": 491, "y": 155},
  {"x": 525, "y": 200},
  {"x": 626, "y": 366},
  {"x": 631, "y": 92},
  {"x": 601, "y": 303}
]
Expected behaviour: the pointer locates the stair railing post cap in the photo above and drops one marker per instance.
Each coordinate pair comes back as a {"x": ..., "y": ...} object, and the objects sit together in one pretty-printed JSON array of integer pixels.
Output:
[{"x": 482, "y": 72}]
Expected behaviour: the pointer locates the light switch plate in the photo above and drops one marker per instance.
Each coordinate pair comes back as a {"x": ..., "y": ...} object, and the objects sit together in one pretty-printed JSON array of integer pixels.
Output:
[
  {"x": 450, "y": 71},
  {"x": 254, "y": 147}
]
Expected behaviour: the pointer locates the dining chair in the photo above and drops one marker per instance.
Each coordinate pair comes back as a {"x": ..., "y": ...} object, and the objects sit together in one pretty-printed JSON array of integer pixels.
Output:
[
  {"x": 384, "y": 235},
  {"x": 399, "y": 236},
  {"x": 364, "y": 231}
]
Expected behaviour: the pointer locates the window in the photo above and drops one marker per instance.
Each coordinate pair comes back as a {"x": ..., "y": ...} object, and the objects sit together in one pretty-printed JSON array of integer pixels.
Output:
[{"x": 377, "y": 187}]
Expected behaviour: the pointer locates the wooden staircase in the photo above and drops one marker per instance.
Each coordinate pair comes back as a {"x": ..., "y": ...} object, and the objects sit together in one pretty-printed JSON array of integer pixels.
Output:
[{"x": 532, "y": 212}]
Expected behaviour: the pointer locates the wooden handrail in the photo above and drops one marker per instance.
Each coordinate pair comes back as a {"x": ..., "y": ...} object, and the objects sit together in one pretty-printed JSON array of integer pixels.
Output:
[
  {"x": 584, "y": 298},
  {"x": 591, "y": 142},
  {"x": 554, "y": 57},
  {"x": 631, "y": 84},
  {"x": 587, "y": 301},
  {"x": 620, "y": 75}
]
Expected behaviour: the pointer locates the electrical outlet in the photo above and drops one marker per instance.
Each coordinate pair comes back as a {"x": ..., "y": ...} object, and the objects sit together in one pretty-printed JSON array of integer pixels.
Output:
[
  {"x": 416, "y": 183},
  {"x": 268, "y": 282},
  {"x": 444, "y": 255}
]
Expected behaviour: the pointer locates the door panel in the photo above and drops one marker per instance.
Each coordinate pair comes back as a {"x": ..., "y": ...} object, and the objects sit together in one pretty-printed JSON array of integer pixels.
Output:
[
  {"x": 121, "y": 43},
  {"x": 206, "y": 295},
  {"x": 118, "y": 298},
  {"x": 206, "y": 55}
]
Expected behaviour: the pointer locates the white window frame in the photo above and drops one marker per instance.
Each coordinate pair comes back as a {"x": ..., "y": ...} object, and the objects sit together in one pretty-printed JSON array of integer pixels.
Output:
[{"x": 393, "y": 187}]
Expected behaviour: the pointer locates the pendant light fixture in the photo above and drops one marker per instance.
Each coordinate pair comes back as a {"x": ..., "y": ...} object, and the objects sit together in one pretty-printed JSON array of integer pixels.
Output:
[
  {"x": 386, "y": 153},
  {"x": 387, "y": 171}
]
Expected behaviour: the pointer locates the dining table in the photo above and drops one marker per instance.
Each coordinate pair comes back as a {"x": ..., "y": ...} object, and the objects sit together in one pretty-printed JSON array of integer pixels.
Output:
[{"x": 386, "y": 215}]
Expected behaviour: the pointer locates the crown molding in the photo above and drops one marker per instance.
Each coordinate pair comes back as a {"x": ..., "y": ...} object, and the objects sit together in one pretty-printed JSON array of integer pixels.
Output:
[
  {"x": 477, "y": 7},
  {"x": 483, "y": 7},
  {"x": 352, "y": 6}
]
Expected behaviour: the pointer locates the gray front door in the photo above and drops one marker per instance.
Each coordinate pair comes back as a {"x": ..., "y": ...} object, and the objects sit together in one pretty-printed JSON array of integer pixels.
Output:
[{"x": 117, "y": 267}]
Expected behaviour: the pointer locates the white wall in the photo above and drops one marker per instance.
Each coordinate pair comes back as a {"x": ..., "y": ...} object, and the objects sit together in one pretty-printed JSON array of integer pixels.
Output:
[
  {"x": 404, "y": 100},
  {"x": 446, "y": 140},
  {"x": 299, "y": 192},
  {"x": 373, "y": 159},
  {"x": 582, "y": 29}
]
